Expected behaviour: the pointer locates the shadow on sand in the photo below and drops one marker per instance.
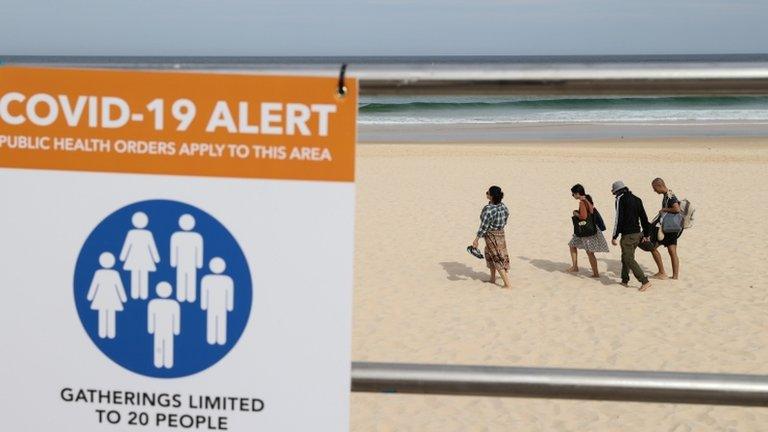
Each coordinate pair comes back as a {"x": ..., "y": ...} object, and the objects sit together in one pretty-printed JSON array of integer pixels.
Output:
[
  {"x": 458, "y": 271},
  {"x": 610, "y": 277},
  {"x": 614, "y": 268}
]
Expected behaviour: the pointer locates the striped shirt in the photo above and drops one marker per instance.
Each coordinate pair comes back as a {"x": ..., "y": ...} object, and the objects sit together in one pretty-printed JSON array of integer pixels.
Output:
[{"x": 493, "y": 217}]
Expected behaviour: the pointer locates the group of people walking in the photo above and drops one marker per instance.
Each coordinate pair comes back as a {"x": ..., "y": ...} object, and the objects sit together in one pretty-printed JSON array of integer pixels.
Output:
[{"x": 631, "y": 229}]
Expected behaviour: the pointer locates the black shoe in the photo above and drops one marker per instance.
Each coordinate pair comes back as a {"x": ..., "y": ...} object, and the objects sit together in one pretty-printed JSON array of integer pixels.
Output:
[{"x": 474, "y": 251}]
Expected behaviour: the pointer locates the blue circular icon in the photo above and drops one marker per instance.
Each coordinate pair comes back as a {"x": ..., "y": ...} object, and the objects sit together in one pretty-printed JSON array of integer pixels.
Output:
[{"x": 162, "y": 288}]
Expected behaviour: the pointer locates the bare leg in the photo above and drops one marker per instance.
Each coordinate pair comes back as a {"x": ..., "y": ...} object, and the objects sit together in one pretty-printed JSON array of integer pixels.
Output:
[
  {"x": 593, "y": 264},
  {"x": 574, "y": 260},
  {"x": 505, "y": 278},
  {"x": 493, "y": 276},
  {"x": 662, "y": 274},
  {"x": 672, "y": 249}
]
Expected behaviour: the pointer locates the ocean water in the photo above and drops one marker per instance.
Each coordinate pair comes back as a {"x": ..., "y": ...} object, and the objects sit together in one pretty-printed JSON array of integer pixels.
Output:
[
  {"x": 429, "y": 118},
  {"x": 510, "y": 110}
]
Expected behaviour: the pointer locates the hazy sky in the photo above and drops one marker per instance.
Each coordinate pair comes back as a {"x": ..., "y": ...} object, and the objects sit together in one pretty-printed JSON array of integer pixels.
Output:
[{"x": 381, "y": 27}]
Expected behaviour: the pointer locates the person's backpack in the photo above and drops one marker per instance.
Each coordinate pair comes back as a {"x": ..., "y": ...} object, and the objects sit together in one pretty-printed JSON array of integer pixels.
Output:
[{"x": 688, "y": 211}]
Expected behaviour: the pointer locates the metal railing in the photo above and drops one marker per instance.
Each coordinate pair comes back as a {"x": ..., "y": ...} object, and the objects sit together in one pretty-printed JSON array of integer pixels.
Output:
[
  {"x": 382, "y": 76},
  {"x": 607, "y": 385}
]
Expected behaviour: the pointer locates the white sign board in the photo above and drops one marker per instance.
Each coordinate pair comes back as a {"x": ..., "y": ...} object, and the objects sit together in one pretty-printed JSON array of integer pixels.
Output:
[{"x": 177, "y": 251}]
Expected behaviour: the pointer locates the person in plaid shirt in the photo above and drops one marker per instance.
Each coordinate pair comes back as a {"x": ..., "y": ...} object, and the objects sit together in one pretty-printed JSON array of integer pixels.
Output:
[{"x": 493, "y": 219}]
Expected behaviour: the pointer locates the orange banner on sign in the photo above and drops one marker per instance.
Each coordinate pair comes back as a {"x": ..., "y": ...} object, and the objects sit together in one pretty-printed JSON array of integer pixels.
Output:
[{"x": 179, "y": 123}]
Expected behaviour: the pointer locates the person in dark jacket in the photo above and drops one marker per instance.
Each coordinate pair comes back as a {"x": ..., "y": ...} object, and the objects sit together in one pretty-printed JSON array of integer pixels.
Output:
[{"x": 632, "y": 225}]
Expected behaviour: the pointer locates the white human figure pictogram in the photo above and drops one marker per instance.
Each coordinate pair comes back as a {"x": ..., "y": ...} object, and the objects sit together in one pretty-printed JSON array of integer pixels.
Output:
[
  {"x": 139, "y": 255},
  {"x": 217, "y": 293},
  {"x": 107, "y": 295},
  {"x": 186, "y": 257},
  {"x": 164, "y": 322}
]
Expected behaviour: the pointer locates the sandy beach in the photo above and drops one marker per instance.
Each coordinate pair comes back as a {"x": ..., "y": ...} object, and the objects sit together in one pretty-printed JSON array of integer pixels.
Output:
[{"x": 419, "y": 297}]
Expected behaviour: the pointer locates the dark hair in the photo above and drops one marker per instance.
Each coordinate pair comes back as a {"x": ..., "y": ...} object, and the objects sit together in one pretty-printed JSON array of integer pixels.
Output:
[
  {"x": 579, "y": 189},
  {"x": 496, "y": 194}
]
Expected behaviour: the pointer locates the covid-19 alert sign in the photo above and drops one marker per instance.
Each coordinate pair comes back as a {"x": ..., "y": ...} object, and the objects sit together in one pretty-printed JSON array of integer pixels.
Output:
[{"x": 176, "y": 251}]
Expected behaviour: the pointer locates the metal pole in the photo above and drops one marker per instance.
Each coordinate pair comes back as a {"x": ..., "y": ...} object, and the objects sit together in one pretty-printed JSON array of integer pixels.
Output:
[
  {"x": 608, "y": 385},
  {"x": 481, "y": 77}
]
